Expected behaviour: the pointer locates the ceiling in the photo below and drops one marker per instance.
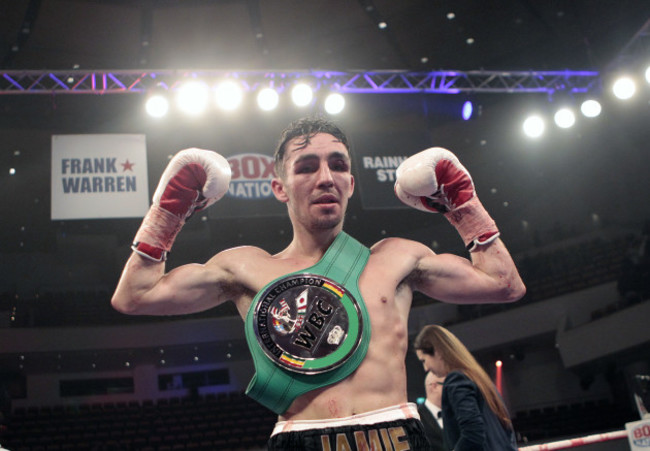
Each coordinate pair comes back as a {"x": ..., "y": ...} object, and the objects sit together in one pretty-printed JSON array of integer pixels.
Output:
[{"x": 316, "y": 34}]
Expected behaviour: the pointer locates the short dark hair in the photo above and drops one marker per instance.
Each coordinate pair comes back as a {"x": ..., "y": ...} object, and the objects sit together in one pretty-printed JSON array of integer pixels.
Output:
[{"x": 306, "y": 127}]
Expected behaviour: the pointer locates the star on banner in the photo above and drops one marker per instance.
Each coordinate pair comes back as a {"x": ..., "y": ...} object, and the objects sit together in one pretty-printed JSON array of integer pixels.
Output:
[{"x": 127, "y": 165}]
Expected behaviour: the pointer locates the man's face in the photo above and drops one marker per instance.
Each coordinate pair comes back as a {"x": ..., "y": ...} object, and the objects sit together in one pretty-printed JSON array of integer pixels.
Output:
[
  {"x": 317, "y": 182},
  {"x": 433, "y": 385}
]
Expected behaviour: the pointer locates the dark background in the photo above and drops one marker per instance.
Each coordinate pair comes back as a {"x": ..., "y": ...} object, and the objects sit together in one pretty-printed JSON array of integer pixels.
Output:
[
  {"x": 332, "y": 35},
  {"x": 546, "y": 195}
]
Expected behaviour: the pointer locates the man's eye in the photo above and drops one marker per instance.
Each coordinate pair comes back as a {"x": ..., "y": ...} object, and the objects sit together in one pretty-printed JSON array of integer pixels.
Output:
[
  {"x": 305, "y": 169},
  {"x": 339, "y": 166}
]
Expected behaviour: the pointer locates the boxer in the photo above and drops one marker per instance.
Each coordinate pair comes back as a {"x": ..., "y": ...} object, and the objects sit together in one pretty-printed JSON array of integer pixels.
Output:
[{"x": 326, "y": 317}]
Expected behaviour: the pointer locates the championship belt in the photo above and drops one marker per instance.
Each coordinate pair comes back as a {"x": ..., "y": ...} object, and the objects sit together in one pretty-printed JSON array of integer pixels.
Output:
[{"x": 310, "y": 328}]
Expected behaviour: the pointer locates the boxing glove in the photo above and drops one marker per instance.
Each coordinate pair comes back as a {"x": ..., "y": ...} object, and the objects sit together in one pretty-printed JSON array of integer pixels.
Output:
[
  {"x": 193, "y": 180},
  {"x": 435, "y": 181}
]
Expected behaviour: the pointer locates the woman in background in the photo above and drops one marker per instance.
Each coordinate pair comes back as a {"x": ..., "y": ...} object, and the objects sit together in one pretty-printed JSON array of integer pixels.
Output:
[{"x": 473, "y": 413}]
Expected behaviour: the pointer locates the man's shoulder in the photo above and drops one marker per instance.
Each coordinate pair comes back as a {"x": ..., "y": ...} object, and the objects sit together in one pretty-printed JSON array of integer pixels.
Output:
[
  {"x": 399, "y": 249},
  {"x": 246, "y": 251},
  {"x": 398, "y": 257},
  {"x": 240, "y": 255},
  {"x": 395, "y": 244}
]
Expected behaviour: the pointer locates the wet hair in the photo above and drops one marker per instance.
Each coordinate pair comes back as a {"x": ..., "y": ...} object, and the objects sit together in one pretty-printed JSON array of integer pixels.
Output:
[
  {"x": 305, "y": 128},
  {"x": 436, "y": 339}
]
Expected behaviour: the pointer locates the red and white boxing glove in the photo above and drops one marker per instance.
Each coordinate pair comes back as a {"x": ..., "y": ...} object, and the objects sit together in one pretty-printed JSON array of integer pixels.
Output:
[
  {"x": 435, "y": 181},
  {"x": 193, "y": 180}
]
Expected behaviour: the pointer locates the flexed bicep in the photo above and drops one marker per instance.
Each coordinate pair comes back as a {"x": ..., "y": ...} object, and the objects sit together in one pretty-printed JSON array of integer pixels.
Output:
[
  {"x": 190, "y": 288},
  {"x": 434, "y": 180},
  {"x": 489, "y": 277}
]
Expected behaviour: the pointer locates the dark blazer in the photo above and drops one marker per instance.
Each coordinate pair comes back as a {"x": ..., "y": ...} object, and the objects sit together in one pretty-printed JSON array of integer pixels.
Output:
[
  {"x": 470, "y": 425},
  {"x": 432, "y": 429}
]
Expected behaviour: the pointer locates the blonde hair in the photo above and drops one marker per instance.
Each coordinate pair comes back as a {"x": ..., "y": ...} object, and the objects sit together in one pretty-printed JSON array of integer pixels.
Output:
[{"x": 436, "y": 339}]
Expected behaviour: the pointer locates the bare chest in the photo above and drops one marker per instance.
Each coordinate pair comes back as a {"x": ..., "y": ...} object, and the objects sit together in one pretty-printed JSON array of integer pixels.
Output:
[{"x": 380, "y": 285}]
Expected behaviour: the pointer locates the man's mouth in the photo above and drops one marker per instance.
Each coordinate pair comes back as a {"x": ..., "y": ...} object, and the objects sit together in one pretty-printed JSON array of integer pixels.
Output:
[{"x": 326, "y": 199}]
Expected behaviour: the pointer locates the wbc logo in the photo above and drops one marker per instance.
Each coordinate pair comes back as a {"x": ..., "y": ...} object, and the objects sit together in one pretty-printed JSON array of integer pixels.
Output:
[
  {"x": 251, "y": 176},
  {"x": 307, "y": 323}
]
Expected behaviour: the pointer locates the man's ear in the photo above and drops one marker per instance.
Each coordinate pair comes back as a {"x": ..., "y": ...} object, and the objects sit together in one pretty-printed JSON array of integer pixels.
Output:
[
  {"x": 278, "y": 190},
  {"x": 351, "y": 185}
]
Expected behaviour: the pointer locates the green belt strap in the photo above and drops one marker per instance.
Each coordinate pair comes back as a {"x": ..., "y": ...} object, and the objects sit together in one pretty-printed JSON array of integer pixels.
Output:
[{"x": 275, "y": 387}]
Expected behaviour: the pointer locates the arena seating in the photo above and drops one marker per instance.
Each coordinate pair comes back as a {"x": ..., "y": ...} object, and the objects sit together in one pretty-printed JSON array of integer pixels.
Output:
[
  {"x": 570, "y": 420},
  {"x": 574, "y": 265},
  {"x": 227, "y": 421}
]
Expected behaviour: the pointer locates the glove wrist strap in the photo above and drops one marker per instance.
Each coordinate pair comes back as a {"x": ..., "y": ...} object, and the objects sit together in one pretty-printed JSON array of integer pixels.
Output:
[
  {"x": 473, "y": 223},
  {"x": 157, "y": 233}
]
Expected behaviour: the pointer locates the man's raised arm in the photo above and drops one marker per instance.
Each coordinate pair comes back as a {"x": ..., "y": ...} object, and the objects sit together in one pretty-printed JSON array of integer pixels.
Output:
[
  {"x": 435, "y": 181},
  {"x": 193, "y": 180}
]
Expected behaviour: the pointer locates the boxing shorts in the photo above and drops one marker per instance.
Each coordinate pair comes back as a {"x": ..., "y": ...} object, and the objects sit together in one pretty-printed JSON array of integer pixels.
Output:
[{"x": 393, "y": 428}]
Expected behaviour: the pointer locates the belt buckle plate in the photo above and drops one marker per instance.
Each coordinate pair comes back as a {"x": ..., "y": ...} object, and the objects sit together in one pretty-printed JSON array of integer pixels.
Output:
[{"x": 307, "y": 323}]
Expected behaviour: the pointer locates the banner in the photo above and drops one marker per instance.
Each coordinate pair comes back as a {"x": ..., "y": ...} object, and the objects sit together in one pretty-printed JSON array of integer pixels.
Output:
[
  {"x": 377, "y": 179},
  {"x": 376, "y": 163},
  {"x": 638, "y": 434},
  {"x": 99, "y": 176},
  {"x": 249, "y": 193}
]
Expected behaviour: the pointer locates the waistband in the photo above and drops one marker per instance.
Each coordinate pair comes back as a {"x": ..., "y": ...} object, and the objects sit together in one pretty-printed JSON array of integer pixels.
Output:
[{"x": 398, "y": 412}]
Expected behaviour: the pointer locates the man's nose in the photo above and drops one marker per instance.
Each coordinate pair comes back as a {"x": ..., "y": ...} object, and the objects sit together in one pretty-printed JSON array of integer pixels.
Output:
[{"x": 325, "y": 175}]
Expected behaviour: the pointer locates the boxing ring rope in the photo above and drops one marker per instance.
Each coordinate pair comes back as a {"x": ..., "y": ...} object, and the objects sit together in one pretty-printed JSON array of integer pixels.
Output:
[{"x": 573, "y": 442}]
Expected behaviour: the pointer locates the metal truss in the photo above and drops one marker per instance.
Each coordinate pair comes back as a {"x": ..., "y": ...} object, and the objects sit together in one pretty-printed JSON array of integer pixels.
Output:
[{"x": 386, "y": 82}]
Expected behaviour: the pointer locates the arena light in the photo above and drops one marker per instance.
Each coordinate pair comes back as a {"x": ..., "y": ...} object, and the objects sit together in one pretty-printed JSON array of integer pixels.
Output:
[
  {"x": 590, "y": 108},
  {"x": 268, "y": 99},
  {"x": 624, "y": 88},
  {"x": 467, "y": 111},
  {"x": 192, "y": 97},
  {"x": 499, "y": 376},
  {"x": 647, "y": 74},
  {"x": 157, "y": 105},
  {"x": 334, "y": 103},
  {"x": 229, "y": 95},
  {"x": 534, "y": 126},
  {"x": 302, "y": 94},
  {"x": 564, "y": 118}
]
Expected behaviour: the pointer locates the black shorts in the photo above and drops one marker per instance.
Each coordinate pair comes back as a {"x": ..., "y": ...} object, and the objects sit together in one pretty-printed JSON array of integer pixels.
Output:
[{"x": 398, "y": 435}]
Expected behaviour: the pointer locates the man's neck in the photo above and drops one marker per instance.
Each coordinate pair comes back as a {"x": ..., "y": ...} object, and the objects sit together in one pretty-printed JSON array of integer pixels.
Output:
[{"x": 312, "y": 245}]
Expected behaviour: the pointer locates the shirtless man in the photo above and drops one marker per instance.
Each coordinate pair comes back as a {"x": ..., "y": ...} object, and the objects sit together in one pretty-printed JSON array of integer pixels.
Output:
[{"x": 364, "y": 403}]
